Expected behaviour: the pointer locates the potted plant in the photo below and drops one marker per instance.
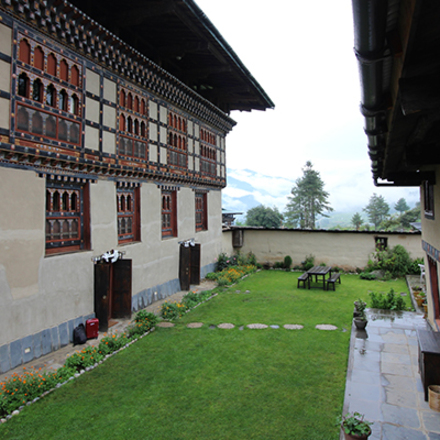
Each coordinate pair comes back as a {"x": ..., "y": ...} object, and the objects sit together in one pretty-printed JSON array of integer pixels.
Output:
[
  {"x": 355, "y": 427},
  {"x": 360, "y": 319}
]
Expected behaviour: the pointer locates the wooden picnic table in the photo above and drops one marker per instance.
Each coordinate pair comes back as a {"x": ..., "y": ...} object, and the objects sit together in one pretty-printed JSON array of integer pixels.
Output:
[{"x": 320, "y": 271}]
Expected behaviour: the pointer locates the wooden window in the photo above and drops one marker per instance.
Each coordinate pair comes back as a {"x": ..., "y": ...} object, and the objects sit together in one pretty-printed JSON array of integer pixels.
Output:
[
  {"x": 74, "y": 76},
  {"x": 51, "y": 95},
  {"x": 51, "y": 127},
  {"x": 23, "y": 119},
  {"x": 24, "y": 53},
  {"x": 201, "y": 212},
  {"x": 130, "y": 101},
  {"x": 63, "y": 100},
  {"x": 37, "y": 90},
  {"x": 122, "y": 123},
  {"x": 64, "y": 70},
  {"x": 67, "y": 217},
  {"x": 23, "y": 85},
  {"x": 428, "y": 200},
  {"x": 52, "y": 65},
  {"x": 37, "y": 123},
  {"x": 122, "y": 98},
  {"x": 143, "y": 107},
  {"x": 136, "y": 104},
  {"x": 128, "y": 203},
  {"x": 381, "y": 243},
  {"x": 169, "y": 214},
  {"x": 39, "y": 58},
  {"x": 74, "y": 104}
]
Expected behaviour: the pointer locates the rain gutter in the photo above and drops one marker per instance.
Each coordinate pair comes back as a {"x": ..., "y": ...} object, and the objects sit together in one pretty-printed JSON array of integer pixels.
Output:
[{"x": 370, "y": 26}]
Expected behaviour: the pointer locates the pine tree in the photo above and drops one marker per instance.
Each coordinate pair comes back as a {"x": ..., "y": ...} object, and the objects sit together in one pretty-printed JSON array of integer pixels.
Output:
[
  {"x": 357, "y": 221},
  {"x": 308, "y": 200},
  {"x": 401, "y": 205},
  {"x": 377, "y": 210}
]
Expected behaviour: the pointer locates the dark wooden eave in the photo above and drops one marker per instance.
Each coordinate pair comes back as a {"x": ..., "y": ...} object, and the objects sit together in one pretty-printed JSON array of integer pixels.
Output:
[
  {"x": 177, "y": 35},
  {"x": 397, "y": 43}
]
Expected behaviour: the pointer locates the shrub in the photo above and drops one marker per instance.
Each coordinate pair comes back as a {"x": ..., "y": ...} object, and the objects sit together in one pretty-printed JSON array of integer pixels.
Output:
[
  {"x": 87, "y": 357},
  {"x": 367, "y": 276},
  {"x": 111, "y": 343},
  {"x": 287, "y": 262},
  {"x": 395, "y": 261},
  {"x": 172, "y": 310},
  {"x": 389, "y": 301},
  {"x": 143, "y": 322},
  {"x": 414, "y": 268},
  {"x": 278, "y": 265},
  {"x": 309, "y": 262}
]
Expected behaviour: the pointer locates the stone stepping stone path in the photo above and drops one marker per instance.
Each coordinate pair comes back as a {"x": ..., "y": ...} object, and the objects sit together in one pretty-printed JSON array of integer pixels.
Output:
[
  {"x": 256, "y": 326},
  {"x": 195, "y": 324},
  {"x": 226, "y": 325},
  {"x": 293, "y": 327},
  {"x": 326, "y": 327},
  {"x": 165, "y": 324}
]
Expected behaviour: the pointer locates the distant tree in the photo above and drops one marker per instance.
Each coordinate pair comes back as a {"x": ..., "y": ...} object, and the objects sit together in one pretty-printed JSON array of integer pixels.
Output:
[
  {"x": 413, "y": 215},
  {"x": 377, "y": 210},
  {"x": 357, "y": 221},
  {"x": 308, "y": 200},
  {"x": 401, "y": 205},
  {"x": 264, "y": 216}
]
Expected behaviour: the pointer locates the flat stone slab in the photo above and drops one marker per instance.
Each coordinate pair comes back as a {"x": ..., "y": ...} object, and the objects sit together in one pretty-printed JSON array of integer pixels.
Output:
[
  {"x": 226, "y": 325},
  {"x": 194, "y": 324},
  {"x": 256, "y": 326},
  {"x": 165, "y": 324},
  {"x": 293, "y": 326},
  {"x": 326, "y": 327},
  {"x": 274, "y": 326}
]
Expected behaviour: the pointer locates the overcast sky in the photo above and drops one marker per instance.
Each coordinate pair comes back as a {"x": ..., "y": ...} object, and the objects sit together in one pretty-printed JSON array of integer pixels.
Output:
[{"x": 301, "y": 53}]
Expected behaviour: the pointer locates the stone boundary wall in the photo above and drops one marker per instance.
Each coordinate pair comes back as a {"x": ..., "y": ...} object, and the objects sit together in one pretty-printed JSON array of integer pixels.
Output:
[{"x": 346, "y": 249}]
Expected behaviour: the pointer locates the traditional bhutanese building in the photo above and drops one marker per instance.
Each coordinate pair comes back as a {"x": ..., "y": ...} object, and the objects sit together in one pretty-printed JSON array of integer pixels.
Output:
[{"x": 113, "y": 119}]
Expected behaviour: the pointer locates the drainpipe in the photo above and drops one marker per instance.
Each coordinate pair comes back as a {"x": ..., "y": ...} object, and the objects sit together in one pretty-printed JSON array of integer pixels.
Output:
[{"x": 370, "y": 22}]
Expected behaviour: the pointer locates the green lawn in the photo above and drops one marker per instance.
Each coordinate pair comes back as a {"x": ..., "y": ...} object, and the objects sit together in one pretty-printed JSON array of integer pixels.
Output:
[{"x": 180, "y": 383}]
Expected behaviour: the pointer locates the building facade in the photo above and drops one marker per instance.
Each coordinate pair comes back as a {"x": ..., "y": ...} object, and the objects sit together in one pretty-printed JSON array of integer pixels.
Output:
[
  {"x": 397, "y": 46},
  {"x": 100, "y": 149}
]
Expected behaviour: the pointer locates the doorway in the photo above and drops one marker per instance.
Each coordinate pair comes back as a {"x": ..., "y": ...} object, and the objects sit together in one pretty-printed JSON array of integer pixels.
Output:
[
  {"x": 112, "y": 292},
  {"x": 189, "y": 265}
]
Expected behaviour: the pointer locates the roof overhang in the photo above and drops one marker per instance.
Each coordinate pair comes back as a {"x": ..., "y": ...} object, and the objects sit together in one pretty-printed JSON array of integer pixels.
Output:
[
  {"x": 397, "y": 43},
  {"x": 177, "y": 35}
]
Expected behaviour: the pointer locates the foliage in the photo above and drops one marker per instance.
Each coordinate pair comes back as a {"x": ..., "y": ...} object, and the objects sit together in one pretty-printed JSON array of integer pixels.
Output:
[
  {"x": 395, "y": 261},
  {"x": 360, "y": 308},
  {"x": 287, "y": 262},
  {"x": 308, "y": 200},
  {"x": 224, "y": 261},
  {"x": 87, "y": 357},
  {"x": 143, "y": 322},
  {"x": 264, "y": 216},
  {"x": 309, "y": 262},
  {"x": 401, "y": 205},
  {"x": 414, "y": 268},
  {"x": 377, "y": 210},
  {"x": 355, "y": 424},
  {"x": 389, "y": 301},
  {"x": 357, "y": 221},
  {"x": 172, "y": 310},
  {"x": 367, "y": 276},
  {"x": 408, "y": 217}
]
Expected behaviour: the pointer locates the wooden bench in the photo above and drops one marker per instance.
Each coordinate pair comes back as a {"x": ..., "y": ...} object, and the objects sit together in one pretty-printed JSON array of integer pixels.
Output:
[
  {"x": 302, "y": 279},
  {"x": 332, "y": 280},
  {"x": 429, "y": 358}
]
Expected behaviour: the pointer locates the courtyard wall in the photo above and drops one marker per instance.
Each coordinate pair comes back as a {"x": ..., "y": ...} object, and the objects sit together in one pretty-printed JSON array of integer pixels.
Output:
[{"x": 346, "y": 249}]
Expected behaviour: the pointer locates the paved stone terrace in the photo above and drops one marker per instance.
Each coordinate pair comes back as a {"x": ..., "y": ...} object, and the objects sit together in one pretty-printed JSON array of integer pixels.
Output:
[{"x": 383, "y": 381}]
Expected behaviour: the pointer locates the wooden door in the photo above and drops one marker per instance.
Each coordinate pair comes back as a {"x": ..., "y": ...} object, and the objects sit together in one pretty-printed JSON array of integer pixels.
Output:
[
  {"x": 195, "y": 264},
  {"x": 121, "y": 289},
  {"x": 433, "y": 276},
  {"x": 102, "y": 294},
  {"x": 184, "y": 267}
]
